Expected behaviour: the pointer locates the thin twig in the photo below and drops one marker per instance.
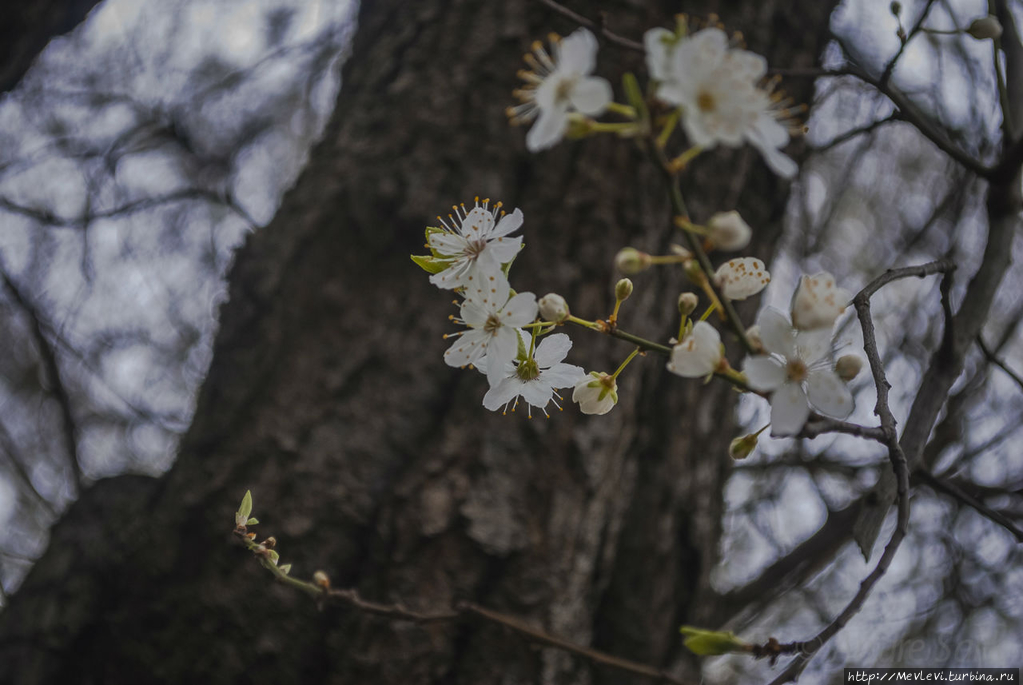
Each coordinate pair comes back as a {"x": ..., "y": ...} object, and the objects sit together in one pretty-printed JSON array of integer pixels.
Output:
[
  {"x": 596, "y": 27},
  {"x": 993, "y": 358},
  {"x": 858, "y": 131},
  {"x": 966, "y": 498},
  {"x": 890, "y": 67},
  {"x": 818, "y": 425},
  {"x": 322, "y": 592},
  {"x": 678, "y": 206}
]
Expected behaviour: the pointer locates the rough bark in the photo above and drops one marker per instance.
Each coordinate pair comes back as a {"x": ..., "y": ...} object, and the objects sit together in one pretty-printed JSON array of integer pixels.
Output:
[
  {"x": 26, "y": 26},
  {"x": 371, "y": 459}
]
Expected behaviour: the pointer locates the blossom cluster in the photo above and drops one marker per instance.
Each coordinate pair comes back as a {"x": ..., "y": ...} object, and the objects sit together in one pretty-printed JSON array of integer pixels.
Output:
[
  {"x": 717, "y": 91},
  {"x": 471, "y": 253},
  {"x": 715, "y": 85}
]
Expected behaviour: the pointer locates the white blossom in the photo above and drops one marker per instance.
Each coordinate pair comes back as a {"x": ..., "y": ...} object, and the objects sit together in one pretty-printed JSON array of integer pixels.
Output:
[
  {"x": 493, "y": 320},
  {"x": 477, "y": 243},
  {"x": 817, "y": 302},
  {"x": 597, "y": 393},
  {"x": 728, "y": 231},
  {"x": 559, "y": 84},
  {"x": 798, "y": 373},
  {"x": 535, "y": 380},
  {"x": 717, "y": 88},
  {"x": 698, "y": 354},
  {"x": 742, "y": 277}
]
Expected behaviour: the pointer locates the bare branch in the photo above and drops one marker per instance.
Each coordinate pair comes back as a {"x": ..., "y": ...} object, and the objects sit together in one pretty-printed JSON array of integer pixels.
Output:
[
  {"x": 599, "y": 28},
  {"x": 890, "y": 67},
  {"x": 958, "y": 493},
  {"x": 321, "y": 591},
  {"x": 993, "y": 358}
]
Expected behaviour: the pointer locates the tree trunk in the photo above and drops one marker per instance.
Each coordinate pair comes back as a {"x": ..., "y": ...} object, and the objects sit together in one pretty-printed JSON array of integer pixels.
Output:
[
  {"x": 371, "y": 459},
  {"x": 27, "y": 26}
]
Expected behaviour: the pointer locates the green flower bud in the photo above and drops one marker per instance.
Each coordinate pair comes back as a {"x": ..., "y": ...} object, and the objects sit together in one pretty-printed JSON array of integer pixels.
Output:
[
  {"x": 742, "y": 447},
  {"x": 687, "y": 303},
  {"x": 711, "y": 642},
  {"x": 631, "y": 261},
  {"x": 623, "y": 289}
]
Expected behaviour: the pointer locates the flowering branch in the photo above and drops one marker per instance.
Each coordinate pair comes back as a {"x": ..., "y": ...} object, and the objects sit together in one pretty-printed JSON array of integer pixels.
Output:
[
  {"x": 896, "y": 456},
  {"x": 678, "y": 206}
]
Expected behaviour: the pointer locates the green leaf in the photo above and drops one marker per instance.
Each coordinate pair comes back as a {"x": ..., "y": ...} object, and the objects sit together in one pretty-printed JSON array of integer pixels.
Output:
[
  {"x": 431, "y": 265},
  {"x": 244, "y": 510},
  {"x": 252, "y": 521},
  {"x": 285, "y": 568},
  {"x": 712, "y": 642}
]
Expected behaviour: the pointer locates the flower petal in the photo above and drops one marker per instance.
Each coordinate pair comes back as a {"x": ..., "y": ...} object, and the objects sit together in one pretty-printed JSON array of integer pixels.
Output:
[
  {"x": 764, "y": 373},
  {"x": 507, "y": 224},
  {"x": 759, "y": 137},
  {"x": 536, "y": 392},
  {"x": 562, "y": 375},
  {"x": 812, "y": 346},
  {"x": 817, "y": 302},
  {"x": 789, "y": 410},
  {"x": 698, "y": 354},
  {"x": 502, "y": 393},
  {"x": 503, "y": 347},
  {"x": 578, "y": 53},
  {"x": 552, "y": 349},
  {"x": 477, "y": 223},
  {"x": 659, "y": 43},
  {"x": 447, "y": 244},
  {"x": 776, "y": 333},
  {"x": 548, "y": 129},
  {"x": 453, "y": 276},
  {"x": 591, "y": 95},
  {"x": 520, "y": 310},
  {"x": 742, "y": 277},
  {"x": 467, "y": 348},
  {"x": 828, "y": 394},
  {"x": 504, "y": 249}
]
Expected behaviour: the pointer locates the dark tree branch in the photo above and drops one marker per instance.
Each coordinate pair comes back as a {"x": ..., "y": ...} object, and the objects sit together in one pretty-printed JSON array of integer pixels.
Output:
[
  {"x": 858, "y": 131},
  {"x": 990, "y": 355},
  {"x": 598, "y": 28},
  {"x": 818, "y": 425},
  {"x": 51, "y": 219},
  {"x": 958, "y": 493},
  {"x": 889, "y": 68},
  {"x": 27, "y": 26}
]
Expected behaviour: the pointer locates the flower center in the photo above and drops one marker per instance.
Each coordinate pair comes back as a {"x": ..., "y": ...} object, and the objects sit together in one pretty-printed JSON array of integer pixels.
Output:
[
  {"x": 564, "y": 89},
  {"x": 528, "y": 370},
  {"x": 706, "y": 102},
  {"x": 492, "y": 324},
  {"x": 796, "y": 370},
  {"x": 474, "y": 248}
]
